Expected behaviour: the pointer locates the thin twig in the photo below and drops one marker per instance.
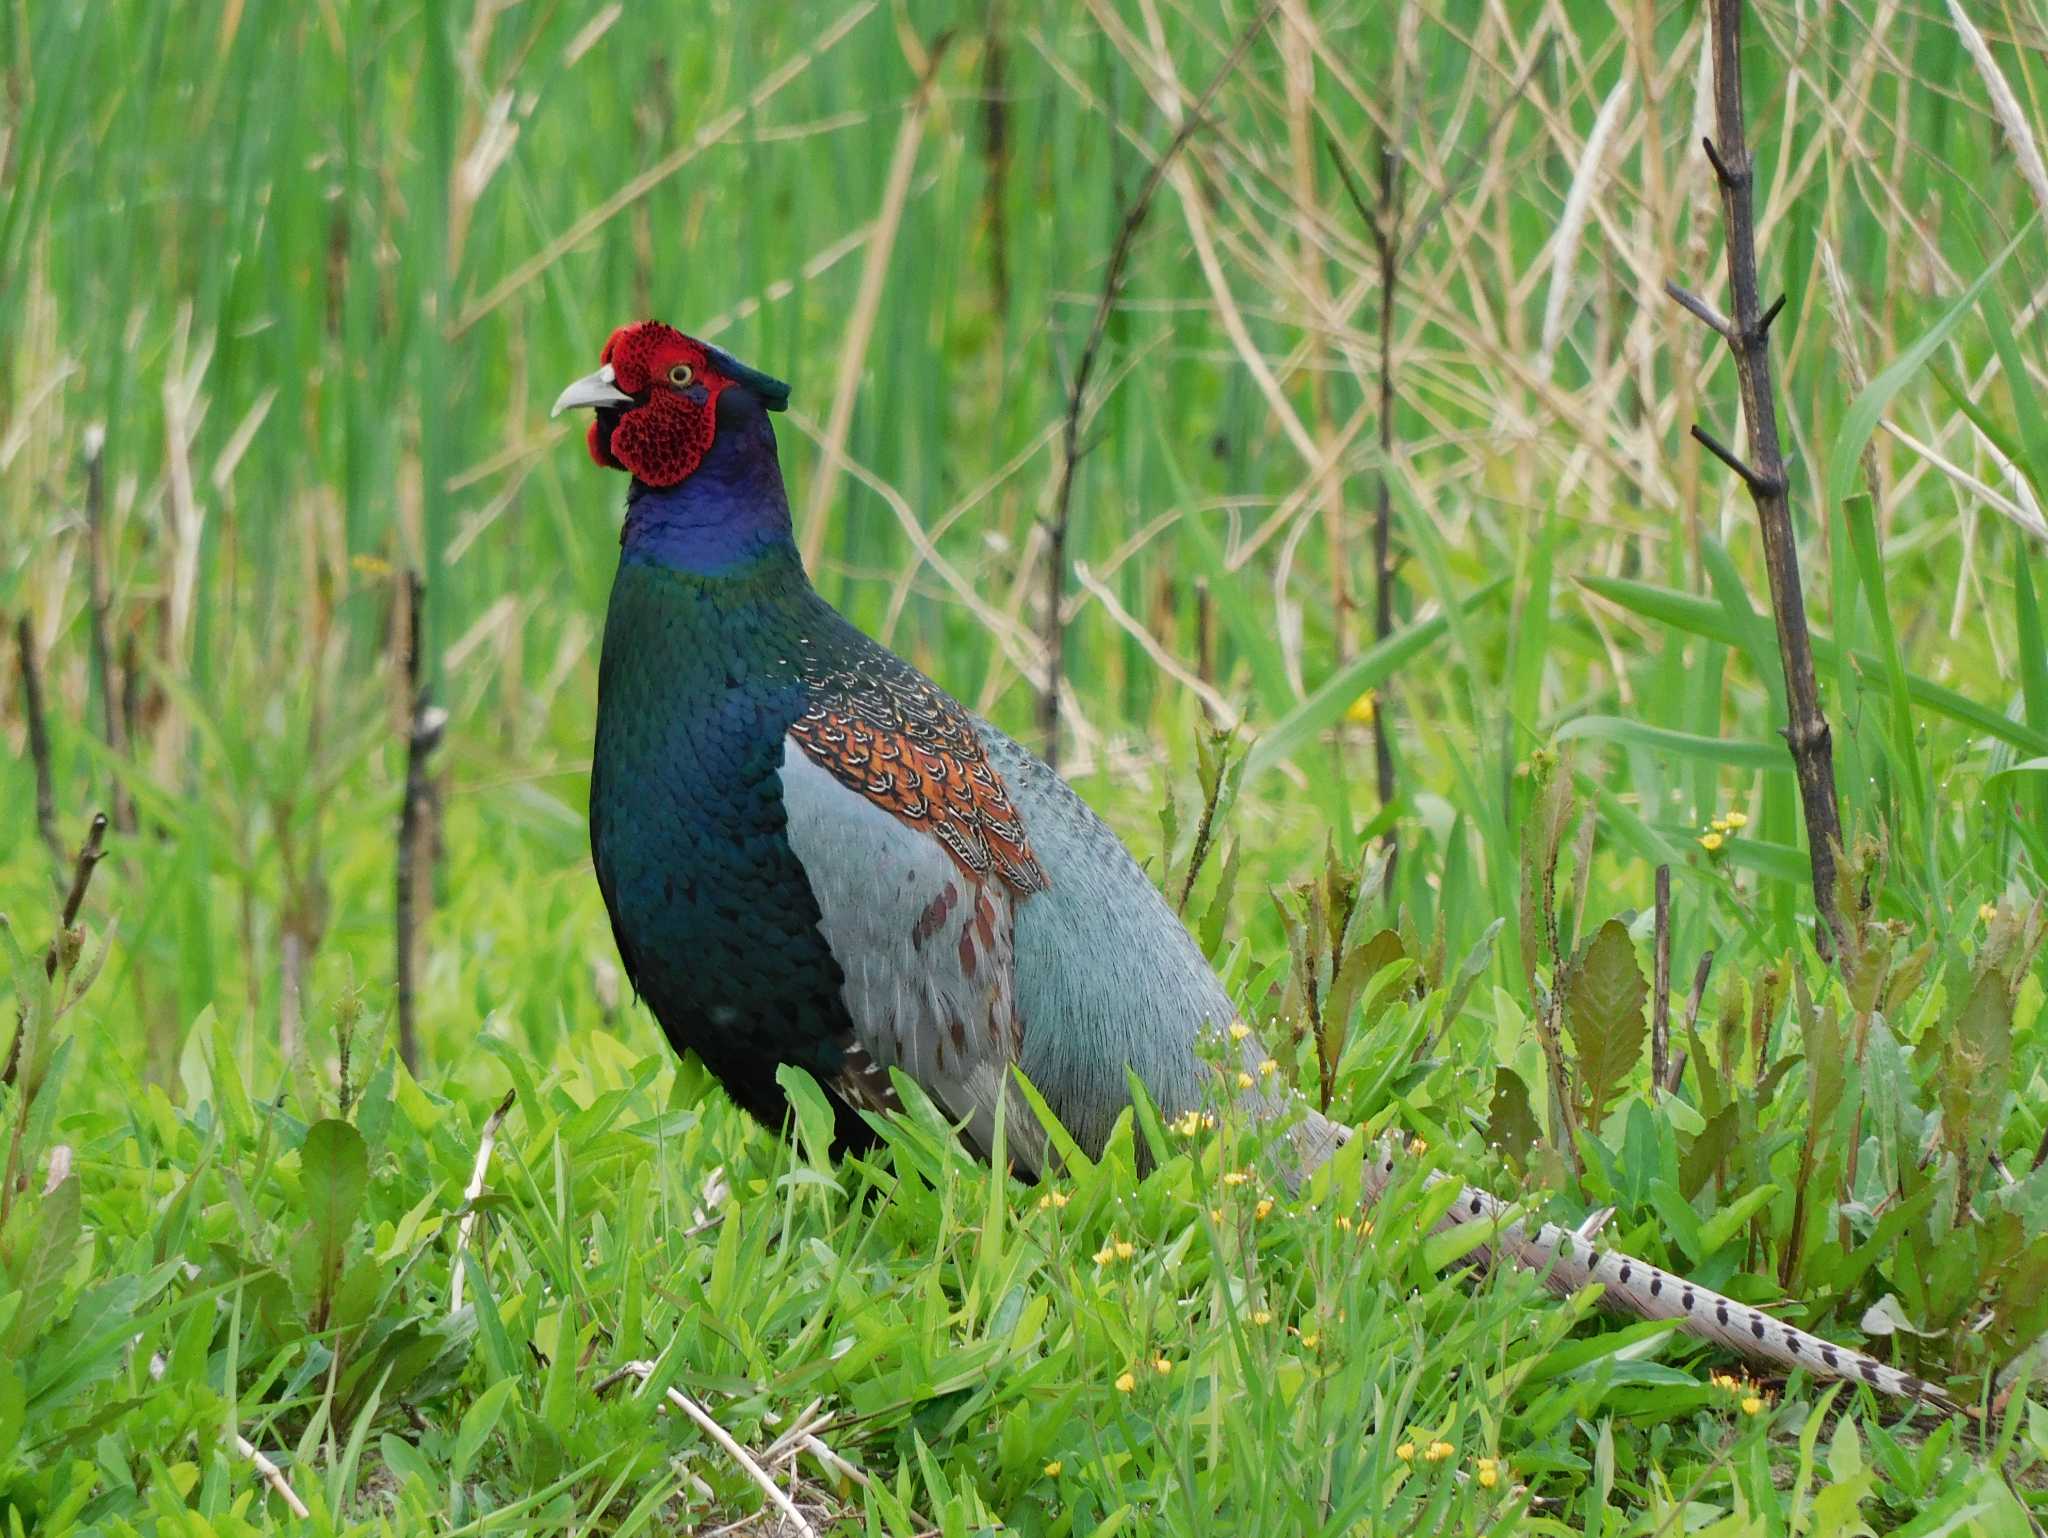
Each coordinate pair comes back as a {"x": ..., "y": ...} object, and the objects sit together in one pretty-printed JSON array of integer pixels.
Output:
[
  {"x": 1692, "y": 1018},
  {"x": 472, "y": 1192},
  {"x": 1660, "y": 999},
  {"x": 83, "y": 865},
  {"x": 1748, "y": 336},
  {"x": 100, "y": 586},
  {"x": 732, "y": 1449},
  {"x": 273, "y": 1476},
  {"x": 38, "y": 737},
  {"x": 1070, "y": 443},
  {"x": 416, "y": 819}
]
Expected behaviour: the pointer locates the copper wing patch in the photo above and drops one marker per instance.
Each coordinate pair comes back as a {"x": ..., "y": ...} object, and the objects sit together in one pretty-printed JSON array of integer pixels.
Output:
[{"x": 885, "y": 731}]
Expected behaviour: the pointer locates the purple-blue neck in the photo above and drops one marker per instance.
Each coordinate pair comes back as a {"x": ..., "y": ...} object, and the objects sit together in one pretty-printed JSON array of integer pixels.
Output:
[{"x": 730, "y": 509}]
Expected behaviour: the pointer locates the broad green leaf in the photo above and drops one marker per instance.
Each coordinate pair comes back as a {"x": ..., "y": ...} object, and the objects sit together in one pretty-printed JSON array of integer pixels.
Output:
[
  {"x": 1510, "y": 1121},
  {"x": 1603, "y": 1014},
  {"x": 334, "y": 1172},
  {"x": 478, "y": 1422}
]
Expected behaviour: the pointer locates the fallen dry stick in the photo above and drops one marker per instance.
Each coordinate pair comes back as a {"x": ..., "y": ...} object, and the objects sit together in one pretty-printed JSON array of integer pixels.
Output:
[
  {"x": 469, "y": 1196},
  {"x": 272, "y": 1475}
]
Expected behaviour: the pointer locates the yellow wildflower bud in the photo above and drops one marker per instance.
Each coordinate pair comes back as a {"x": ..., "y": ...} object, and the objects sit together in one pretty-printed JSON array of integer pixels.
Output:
[
  {"x": 1244, "y": 1080},
  {"x": 1417, "y": 1148},
  {"x": 1710, "y": 842},
  {"x": 1988, "y": 912},
  {"x": 1405, "y": 1452},
  {"x": 1215, "y": 1214},
  {"x": 1344, "y": 1221},
  {"x": 1126, "y": 1382},
  {"x": 1752, "y": 1405},
  {"x": 1052, "y": 1469},
  {"x": 1719, "y": 825},
  {"x": 1125, "y": 1249},
  {"x": 1737, "y": 819},
  {"x": 1235, "y": 1177},
  {"x": 1265, "y": 1206},
  {"x": 1312, "y": 1339},
  {"x": 1053, "y": 1199},
  {"x": 1362, "y": 709},
  {"x": 1438, "y": 1451},
  {"x": 1239, "y": 1030},
  {"x": 1263, "y": 1316},
  {"x": 1268, "y": 1067},
  {"x": 1161, "y": 1366},
  {"x": 1489, "y": 1474}
]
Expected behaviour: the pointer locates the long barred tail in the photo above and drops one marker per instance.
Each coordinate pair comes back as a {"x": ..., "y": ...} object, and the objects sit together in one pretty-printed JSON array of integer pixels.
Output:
[{"x": 1568, "y": 1262}]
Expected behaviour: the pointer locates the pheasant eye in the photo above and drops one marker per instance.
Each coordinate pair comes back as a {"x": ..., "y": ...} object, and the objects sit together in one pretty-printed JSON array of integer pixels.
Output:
[{"x": 680, "y": 375}]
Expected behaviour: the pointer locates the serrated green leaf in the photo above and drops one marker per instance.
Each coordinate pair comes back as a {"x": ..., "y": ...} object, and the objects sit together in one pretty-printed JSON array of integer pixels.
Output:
[{"x": 1603, "y": 1015}]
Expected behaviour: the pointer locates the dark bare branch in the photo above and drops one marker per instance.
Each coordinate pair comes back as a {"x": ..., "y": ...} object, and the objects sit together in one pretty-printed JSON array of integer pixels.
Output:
[
  {"x": 417, "y": 819},
  {"x": 62, "y": 947},
  {"x": 38, "y": 737},
  {"x": 1660, "y": 999},
  {"x": 101, "y": 587},
  {"x": 1701, "y": 311}
]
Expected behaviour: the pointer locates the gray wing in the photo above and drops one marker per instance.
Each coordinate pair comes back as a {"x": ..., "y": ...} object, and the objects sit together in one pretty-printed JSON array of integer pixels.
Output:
[{"x": 928, "y": 954}]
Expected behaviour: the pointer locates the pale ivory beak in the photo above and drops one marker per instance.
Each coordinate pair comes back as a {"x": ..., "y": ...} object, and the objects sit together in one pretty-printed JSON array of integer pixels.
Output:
[{"x": 592, "y": 390}]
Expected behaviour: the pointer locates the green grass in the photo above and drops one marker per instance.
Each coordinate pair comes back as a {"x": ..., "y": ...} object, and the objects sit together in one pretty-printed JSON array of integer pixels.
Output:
[{"x": 317, "y": 272}]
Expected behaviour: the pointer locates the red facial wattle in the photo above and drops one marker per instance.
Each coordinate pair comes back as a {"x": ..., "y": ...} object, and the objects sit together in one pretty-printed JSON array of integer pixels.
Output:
[{"x": 666, "y": 434}]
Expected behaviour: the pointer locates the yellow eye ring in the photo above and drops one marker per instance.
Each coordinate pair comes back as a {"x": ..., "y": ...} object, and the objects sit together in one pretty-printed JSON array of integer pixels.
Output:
[{"x": 681, "y": 375}]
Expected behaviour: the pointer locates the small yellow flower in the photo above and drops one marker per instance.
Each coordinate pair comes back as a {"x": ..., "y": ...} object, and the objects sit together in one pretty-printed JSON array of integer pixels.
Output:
[
  {"x": 1438, "y": 1451},
  {"x": 1264, "y": 1207},
  {"x": 368, "y": 565},
  {"x": 1417, "y": 1148},
  {"x": 1115, "y": 1249},
  {"x": 1125, "y": 1249},
  {"x": 1344, "y": 1221},
  {"x": 1052, "y": 1469},
  {"x": 1263, "y": 1316},
  {"x": 1710, "y": 842},
  {"x": 1215, "y": 1214},
  {"x": 1268, "y": 1067},
  {"x": 1235, "y": 1177},
  {"x": 1311, "y": 1339},
  {"x": 1752, "y": 1405},
  {"x": 1489, "y": 1473},
  {"x": 1405, "y": 1452},
  {"x": 1161, "y": 1366},
  {"x": 1053, "y": 1199},
  {"x": 1988, "y": 912},
  {"x": 1362, "y": 709},
  {"x": 1366, "y": 1227},
  {"x": 1737, "y": 819},
  {"x": 1244, "y": 1080},
  {"x": 1239, "y": 1030},
  {"x": 1719, "y": 825},
  {"x": 1126, "y": 1382}
]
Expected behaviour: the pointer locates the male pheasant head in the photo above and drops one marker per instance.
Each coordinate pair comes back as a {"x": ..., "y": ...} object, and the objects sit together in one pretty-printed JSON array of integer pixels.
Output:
[{"x": 657, "y": 400}]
